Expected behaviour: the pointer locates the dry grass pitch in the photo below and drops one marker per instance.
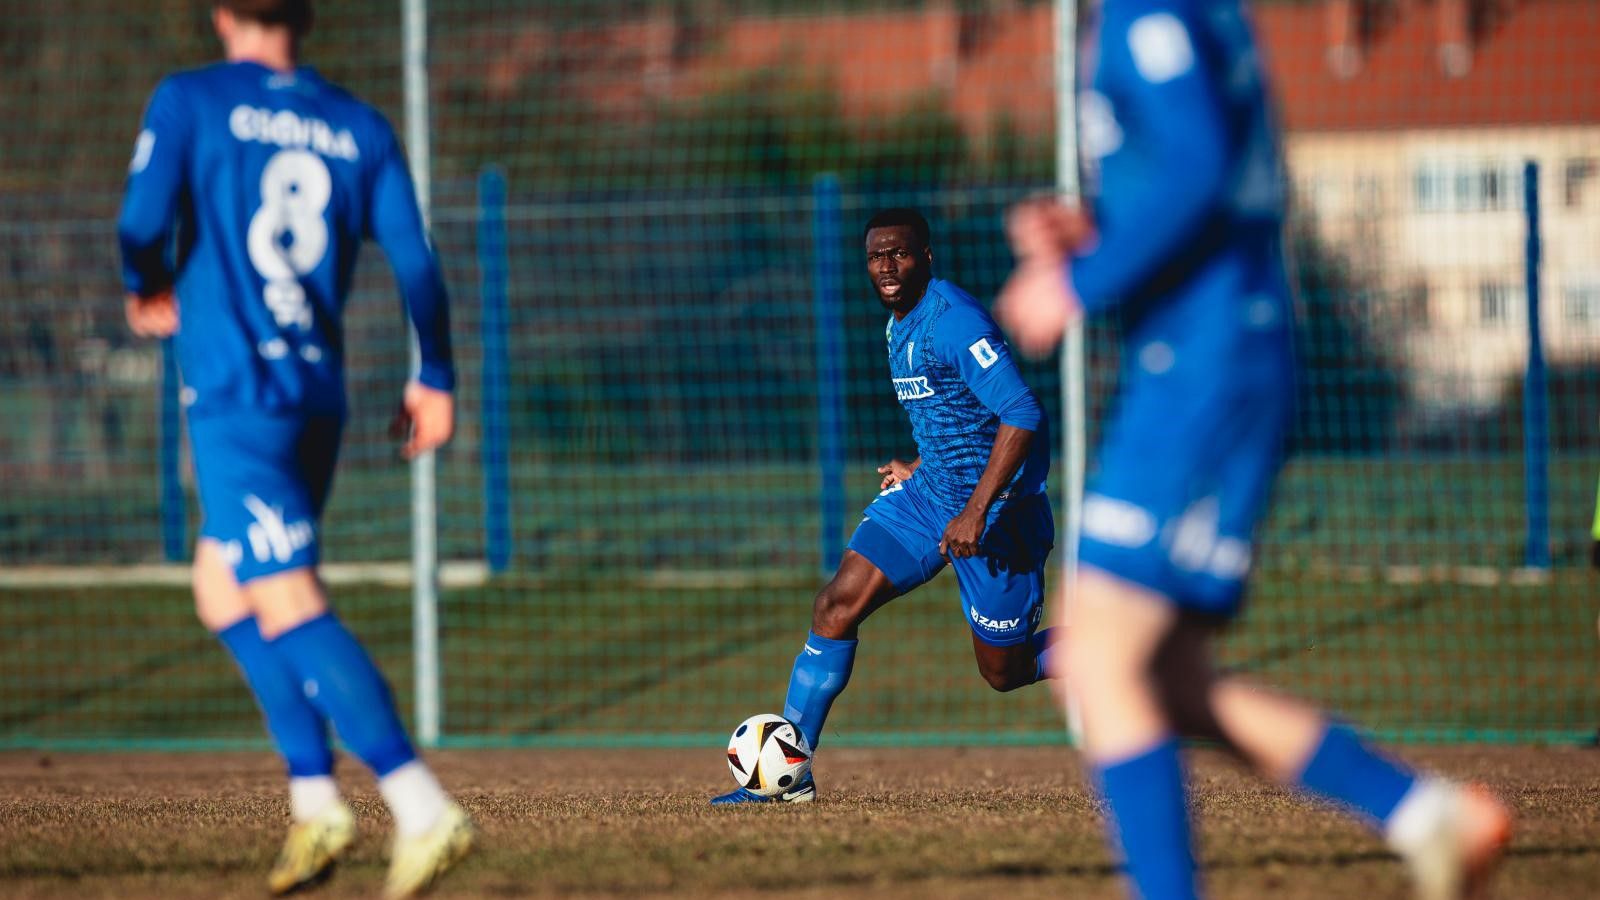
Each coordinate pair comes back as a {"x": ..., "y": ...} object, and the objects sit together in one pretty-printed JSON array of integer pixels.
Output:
[{"x": 909, "y": 823}]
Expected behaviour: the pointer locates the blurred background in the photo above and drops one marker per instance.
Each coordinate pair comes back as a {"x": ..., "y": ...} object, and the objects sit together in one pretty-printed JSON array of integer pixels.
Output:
[{"x": 673, "y": 392}]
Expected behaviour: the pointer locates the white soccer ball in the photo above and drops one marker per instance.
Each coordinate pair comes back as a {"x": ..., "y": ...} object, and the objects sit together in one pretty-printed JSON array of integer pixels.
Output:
[{"x": 768, "y": 755}]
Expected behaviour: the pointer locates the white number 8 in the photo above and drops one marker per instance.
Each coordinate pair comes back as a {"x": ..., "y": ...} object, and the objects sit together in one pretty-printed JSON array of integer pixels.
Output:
[{"x": 288, "y": 236}]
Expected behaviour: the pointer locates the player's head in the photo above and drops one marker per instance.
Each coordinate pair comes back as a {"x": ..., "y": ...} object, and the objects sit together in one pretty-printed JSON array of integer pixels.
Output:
[
  {"x": 899, "y": 260},
  {"x": 244, "y": 20}
]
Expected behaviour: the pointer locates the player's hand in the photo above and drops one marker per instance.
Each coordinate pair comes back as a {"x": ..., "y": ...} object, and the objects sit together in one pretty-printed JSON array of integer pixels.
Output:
[
  {"x": 426, "y": 420},
  {"x": 155, "y": 316},
  {"x": 1037, "y": 304},
  {"x": 895, "y": 471},
  {"x": 962, "y": 535},
  {"x": 1046, "y": 228}
]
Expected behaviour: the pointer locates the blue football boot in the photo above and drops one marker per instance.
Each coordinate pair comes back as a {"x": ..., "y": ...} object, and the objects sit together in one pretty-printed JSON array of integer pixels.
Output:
[{"x": 804, "y": 792}]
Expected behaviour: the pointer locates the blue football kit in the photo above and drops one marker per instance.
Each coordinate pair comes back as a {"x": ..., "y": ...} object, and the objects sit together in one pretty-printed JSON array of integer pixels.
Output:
[
  {"x": 250, "y": 192},
  {"x": 1186, "y": 191},
  {"x": 953, "y": 372},
  {"x": 954, "y": 375}
]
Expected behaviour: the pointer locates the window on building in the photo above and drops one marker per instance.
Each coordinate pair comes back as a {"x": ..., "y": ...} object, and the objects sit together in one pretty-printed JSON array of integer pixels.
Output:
[
  {"x": 1495, "y": 187},
  {"x": 1578, "y": 172},
  {"x": 1497, "y": 303},
  {"x": 1428, "y": 187},
  {"x": 1466, "y": 187},
  {"x": 1581, "y": 302}
]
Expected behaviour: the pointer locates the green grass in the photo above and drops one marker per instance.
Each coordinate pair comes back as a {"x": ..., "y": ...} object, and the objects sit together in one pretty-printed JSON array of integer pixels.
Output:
[
  {"x": 571, "y": 518},
  {"x": 536, "y": 661},
  {"x": 589, "y": 640}
]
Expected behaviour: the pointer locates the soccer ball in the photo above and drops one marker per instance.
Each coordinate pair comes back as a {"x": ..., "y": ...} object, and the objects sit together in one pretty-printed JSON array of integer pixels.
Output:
[{"x": 768, "y": 755}]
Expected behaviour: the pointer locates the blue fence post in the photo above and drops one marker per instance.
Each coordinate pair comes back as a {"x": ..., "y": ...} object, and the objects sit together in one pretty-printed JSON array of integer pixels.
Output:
[
  {"x": 173, "y": 518},
  {"x": 828, "y": 300},
  {"x": 1535, "y": 402},
  {"x": 493, "y": 275}
]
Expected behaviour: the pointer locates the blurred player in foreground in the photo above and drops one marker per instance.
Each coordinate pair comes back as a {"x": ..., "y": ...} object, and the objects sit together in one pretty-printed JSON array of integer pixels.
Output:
[
  {"x": 1183, "y": 244},
  {"x": 973, "y": 498},
  {"x": 1594, "y": 533},
  {"x": 270, "y": 176}
]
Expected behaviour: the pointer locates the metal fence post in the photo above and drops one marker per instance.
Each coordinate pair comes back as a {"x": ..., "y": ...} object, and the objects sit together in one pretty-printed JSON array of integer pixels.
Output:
[
  {"x": 493, "y": 277},
  {"x": 424, "y": 498},
  {"x": 828, "y": 301},
  {"x": 1074, "y": 355},
  {"x": 1535, "y": 402},
  {"x": 173, "y": 524}
]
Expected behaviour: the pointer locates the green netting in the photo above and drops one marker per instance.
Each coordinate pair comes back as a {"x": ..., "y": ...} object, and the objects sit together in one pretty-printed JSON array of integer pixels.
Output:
[{"x": 664, "y": 450}]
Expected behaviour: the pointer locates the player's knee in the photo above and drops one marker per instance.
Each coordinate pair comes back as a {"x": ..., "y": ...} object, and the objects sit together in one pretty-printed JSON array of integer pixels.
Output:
[
  {"x": 286, "y": 600},
  {"x": 1005, "y": 679},
  {"x": 1090, "y": 658},
  {"x": 835, "y": 613},
  {"x": 1007, "y": 671},
  {"x": 218, "y": 602}
]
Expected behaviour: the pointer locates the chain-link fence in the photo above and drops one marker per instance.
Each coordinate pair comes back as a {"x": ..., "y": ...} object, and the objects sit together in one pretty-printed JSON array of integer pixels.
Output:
[{"x": 643, "y": 209}]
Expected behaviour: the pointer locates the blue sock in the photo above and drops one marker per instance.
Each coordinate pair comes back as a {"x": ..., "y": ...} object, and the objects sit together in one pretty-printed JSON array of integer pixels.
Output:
[
  {"x": 1042, "y": 651},
  {"x": 1346, "y": 770},
  {"x": 295, "y": 725},
  {"x": 343, "y": 683},
  {"x": 1150, "y": 816},
  {"x": 820, "y": 673}
]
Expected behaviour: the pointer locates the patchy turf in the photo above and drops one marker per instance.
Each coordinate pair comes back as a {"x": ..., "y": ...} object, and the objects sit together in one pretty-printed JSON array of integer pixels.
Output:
[
  {"x": 906, "y": 823},
  {"x": 1432, "y": 660}
]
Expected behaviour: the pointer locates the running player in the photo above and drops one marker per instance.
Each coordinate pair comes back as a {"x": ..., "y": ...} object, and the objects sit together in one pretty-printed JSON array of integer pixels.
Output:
[
  {"x": 973, "y": 498},
  {"x": 270, "y": 177},
  {"x": 1594, "y": 533},
  {"x": 1184, "y": 245}
]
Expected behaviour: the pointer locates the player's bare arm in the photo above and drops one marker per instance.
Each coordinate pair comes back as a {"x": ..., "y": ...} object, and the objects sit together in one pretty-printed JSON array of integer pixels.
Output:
[
  {"x": 965, "y": 532},
  {"x": 897, "y": 470}
]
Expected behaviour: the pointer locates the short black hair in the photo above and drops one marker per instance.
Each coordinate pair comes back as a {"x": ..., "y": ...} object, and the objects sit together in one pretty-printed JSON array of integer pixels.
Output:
[
  {"x": 296, "y": 15},
  {"x": 899, "y": 217}
]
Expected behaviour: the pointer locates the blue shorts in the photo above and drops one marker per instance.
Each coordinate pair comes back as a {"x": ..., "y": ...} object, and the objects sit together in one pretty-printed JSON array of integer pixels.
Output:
[
  {"x": 1187, "y": 467},
  {"x": 1002, "y": 588},
  {"x": 263, "y": 482}
]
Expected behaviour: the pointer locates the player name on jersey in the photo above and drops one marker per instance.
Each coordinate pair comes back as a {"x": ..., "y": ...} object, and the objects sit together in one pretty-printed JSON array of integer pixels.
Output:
[{"x": 285, "y": 128}]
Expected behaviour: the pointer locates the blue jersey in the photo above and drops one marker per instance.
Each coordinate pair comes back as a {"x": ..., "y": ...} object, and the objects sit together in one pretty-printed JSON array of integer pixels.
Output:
[
  {"x": 269, "y": 181},
  {"x": 1183, "y": 166},
  {"x": 954, "y": 375},
  {"x": 1187, "y": 195}
]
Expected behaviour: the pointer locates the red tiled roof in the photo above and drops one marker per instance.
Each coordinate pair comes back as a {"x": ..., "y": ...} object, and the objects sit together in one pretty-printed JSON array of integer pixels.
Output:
[
  {"x": 1538, "y": 63},
  {"x": 1533, "y": 62}
]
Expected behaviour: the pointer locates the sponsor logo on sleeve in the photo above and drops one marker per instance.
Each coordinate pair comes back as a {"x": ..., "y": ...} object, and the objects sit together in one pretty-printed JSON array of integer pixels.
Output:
[
  {"x": 143, "y": 148},
  {"x": 983, "y": 353},
  {"x": 1098, "y": 129},
  {"x": 1160, "y": 47}
]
